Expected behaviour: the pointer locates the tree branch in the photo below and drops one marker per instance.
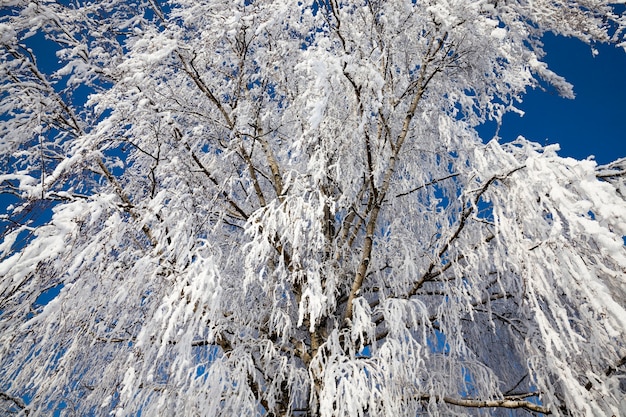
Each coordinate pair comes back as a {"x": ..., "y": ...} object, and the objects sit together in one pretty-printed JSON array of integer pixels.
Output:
[
  {"x": 428, "y": 184},
  {"x": 15, "y": 400},
  {"x": 512, "y": 403},
  {"x": 464, "y": 215},
  {"x": 178, "y": 135},
  {"x": 191, "y": 70}
]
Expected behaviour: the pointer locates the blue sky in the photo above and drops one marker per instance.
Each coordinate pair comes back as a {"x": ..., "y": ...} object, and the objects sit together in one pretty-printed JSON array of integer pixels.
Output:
[{"x": 594, "y": 123}]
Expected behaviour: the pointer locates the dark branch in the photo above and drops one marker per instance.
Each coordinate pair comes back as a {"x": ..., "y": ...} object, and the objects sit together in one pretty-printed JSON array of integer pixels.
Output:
[
  {"x": 19, "y": 403},
  {"x": 433, "y": 182}
]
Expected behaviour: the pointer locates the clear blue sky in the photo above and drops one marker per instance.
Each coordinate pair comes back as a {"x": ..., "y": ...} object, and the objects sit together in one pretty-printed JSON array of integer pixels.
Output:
[{"x": 594, "y": 123}]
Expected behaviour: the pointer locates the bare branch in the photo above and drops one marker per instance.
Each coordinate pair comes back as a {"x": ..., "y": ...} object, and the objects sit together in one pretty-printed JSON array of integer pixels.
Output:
[
  {"x": 504, "y": 403},
  {"x": 428, "y": 184}
]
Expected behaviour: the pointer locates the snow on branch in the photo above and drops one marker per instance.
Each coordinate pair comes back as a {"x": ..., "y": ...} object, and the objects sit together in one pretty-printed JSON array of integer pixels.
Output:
[{"x": 284, "y": 208}]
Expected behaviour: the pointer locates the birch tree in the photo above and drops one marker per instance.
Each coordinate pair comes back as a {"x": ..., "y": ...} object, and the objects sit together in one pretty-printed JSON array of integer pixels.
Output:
[{"x": 283, "y": 208}]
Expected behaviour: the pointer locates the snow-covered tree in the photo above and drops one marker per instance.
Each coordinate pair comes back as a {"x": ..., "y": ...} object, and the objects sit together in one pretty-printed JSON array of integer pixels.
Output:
[{"x": 282, "y": 208}]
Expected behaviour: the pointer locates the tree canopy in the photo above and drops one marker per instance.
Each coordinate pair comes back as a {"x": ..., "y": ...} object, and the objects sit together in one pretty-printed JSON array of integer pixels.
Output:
[{"x": 283, "y": 208}]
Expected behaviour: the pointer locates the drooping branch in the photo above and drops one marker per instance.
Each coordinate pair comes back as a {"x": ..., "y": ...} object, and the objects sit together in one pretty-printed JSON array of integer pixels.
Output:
[{"x": 464, "y": 216}]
